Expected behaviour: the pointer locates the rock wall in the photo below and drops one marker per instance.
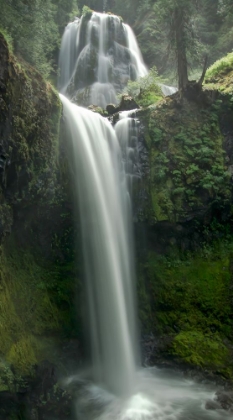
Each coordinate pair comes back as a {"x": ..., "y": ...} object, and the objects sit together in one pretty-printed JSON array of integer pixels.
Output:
[
  {"x": 38, "y": 269},
  {"x": 183, "y": 214}
]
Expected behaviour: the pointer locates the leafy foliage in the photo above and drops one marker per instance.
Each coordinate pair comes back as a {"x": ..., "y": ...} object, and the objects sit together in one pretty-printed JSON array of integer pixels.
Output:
[
  {"x": 208, "y": 30},
  {"x": 220, "y": 66},
  {"x": 187, "y": 296},
  {"x": 146, "y": 91},
  {"x": 35, "y": 28}
]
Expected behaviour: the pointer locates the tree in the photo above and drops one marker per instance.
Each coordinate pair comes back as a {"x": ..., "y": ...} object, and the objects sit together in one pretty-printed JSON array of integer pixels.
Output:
[
  {"x": 176, "y": 17},
  {"x": 35, "y": 27}
]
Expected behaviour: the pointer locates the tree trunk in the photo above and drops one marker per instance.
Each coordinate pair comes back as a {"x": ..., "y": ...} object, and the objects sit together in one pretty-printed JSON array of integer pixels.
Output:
[
  {"x": 204, "y": 70},
  {"x": 182, "y": 65}
]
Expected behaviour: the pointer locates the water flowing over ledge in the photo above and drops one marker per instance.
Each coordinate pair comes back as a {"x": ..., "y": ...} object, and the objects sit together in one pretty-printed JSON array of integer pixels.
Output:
[
  {"x": 105, "y": 213},
  {"x": 98, "y": 57}
]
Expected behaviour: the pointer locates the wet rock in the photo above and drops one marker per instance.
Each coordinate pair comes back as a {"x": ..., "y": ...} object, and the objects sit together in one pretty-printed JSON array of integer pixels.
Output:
[
  {"x": 97, "y": 109},
  {"x": 154, "y": 349},
  {"x": 212, "y": 405},
  {"x": 127, "y": 103},
  {"x": 225, "y": 400},
  {"x": 111, "y": 109},
  {"x": 2, "y": 162}
]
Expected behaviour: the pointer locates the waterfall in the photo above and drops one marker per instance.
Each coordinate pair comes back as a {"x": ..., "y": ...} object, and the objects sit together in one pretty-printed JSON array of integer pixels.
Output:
[
  {"x": 106, "y": 222},
  {"x": 127, "y": 133},
  {"x": 99, "y": 55},
  {"x": 104, "y": 175},
  {"x": 168, "y": 90}
]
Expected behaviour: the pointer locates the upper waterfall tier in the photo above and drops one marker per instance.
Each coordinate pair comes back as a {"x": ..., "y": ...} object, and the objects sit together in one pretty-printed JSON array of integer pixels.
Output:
[{"x": 99, "y": 54}]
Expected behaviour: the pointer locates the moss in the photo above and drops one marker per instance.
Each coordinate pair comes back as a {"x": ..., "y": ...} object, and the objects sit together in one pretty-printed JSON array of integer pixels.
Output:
[
  {"x": 219, "y": 77},
  {"x": 87, "y": 12},
  {"x": 6, "y": 218},
  {"x": 188, "y": 166},
  {"x": 222, "y": 66},
  {"x": 189, "y": 297},
  {"x": 30, "y": 114},
  {"x": 147, "y": 90},
  {"x": 8, "y": 38},
  {"x": 98, "y": 110},
  {"x": 202, "y": 350},
  {"x": 22, "y": 355},
  {"x": 30, "y": 309}
]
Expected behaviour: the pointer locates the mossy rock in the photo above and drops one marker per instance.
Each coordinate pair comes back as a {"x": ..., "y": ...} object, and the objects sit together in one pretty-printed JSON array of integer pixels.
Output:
[
  {"x": 188, "y": 297},
  {"x": 205, "y": 351},
  {"x": 30, "y": 112},
  {"x": 219, "y": 77},
  {"x": 189, "y": 163},
  {"x": 37, "y": 300}
]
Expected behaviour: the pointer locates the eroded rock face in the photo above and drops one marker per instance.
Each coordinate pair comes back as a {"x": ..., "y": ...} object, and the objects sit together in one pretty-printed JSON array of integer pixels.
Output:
[
  {"x": 190, "y": 159},
  {"x": 29, "y": 126},
  {"x": 37, "y": 243},
  {"x": 225, "y": 400},
  {"x": 183, "y": 214}
]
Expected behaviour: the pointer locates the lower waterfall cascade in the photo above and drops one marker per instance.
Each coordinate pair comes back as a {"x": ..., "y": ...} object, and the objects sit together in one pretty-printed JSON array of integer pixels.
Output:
[
  {"x": 106, "y": 234},
  {"x": 105, "y": 165}
]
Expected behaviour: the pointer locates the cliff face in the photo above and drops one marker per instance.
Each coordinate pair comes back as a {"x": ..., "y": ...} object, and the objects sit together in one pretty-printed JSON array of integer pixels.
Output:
[
  {"x": 183, "y": 209},
  {"x": 29, "y": 127},
  {"x": 36, "y": 231},
  {"x": 188, "y": 159}
]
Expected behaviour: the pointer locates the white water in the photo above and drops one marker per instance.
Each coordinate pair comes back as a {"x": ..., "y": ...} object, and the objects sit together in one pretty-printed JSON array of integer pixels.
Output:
[
  {"x": 168, "y": 90},
  {"x": 127, "y": 133},
  {"x": 98, "y": 58},
  {"x": 158, "y": 394},
  {"x": 104, "y": 206},
  {"x": 67, "y": 57},
  {"x": 135, "y": 51}
]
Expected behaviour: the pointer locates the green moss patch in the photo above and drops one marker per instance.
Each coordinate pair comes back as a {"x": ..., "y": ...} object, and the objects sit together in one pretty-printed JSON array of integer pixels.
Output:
[
  {"x": 220, "y": 67},
  {"x": 189, "y": 297},
  {"x": 30, "y": 112},
  {"x": 35, "y": 301},
  {"x": 188, "y": 167},
  {"x": 220, "y": 76},
  {"x": 202, "y": 350}
]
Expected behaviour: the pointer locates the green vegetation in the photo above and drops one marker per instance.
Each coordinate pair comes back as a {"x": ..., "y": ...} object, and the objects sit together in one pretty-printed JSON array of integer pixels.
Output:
[
  {"x": 36, "y": 301},
  {"x": 32, "y": 109},
  {"x": 220, "y": 67},
  {"x": 27, "y": 312},
  {"x": 188, "y": 297},
  {"x": 188, "y": 171},
  {"x": 37, "y": 280},
  {"x": 219, "y": 77},
  {"x": 145, "y": 91},
  {"x": 35, "y": 28},
  {"x": 203, "y": 350},
  {"x": 87, "y": 12},
  {"x": 210, "y": 30}
]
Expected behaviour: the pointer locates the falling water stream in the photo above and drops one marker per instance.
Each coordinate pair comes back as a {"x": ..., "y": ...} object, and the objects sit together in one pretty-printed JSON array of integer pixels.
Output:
[
  {"x": 104, "y": 162},
  {"x": 106, "y": 231},
  {"x": 97, "y": 59}
]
